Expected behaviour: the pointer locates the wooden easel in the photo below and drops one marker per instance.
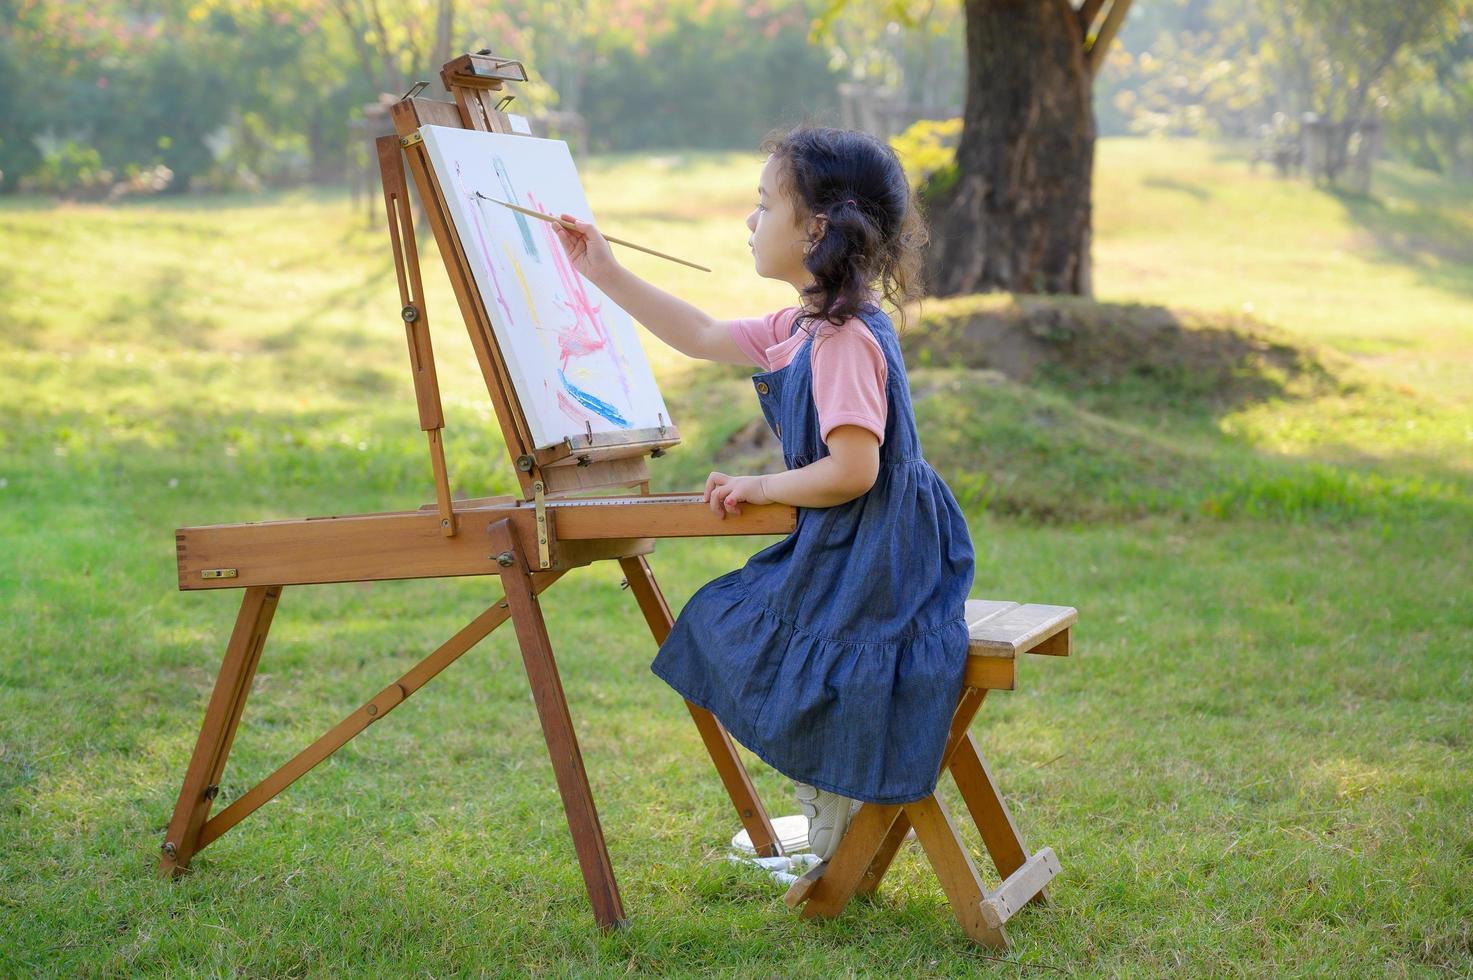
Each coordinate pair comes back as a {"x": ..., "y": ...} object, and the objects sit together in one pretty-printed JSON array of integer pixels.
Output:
[{"x": 529, "y": 541}]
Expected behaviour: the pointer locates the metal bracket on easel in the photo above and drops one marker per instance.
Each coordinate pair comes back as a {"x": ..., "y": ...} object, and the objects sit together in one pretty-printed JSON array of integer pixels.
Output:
[{"x": 544, "y": 559}]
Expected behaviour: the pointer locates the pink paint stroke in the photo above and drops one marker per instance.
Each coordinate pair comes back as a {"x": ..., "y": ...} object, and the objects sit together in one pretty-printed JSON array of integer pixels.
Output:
[
  {"x": 588, "y": 334},
  {"x": 575, "y": 411},
  {"x": 475, "y": 211}
]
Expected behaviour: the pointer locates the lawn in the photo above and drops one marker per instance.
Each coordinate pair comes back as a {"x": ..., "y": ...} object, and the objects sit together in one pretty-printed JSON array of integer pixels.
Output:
[{"x": 1259, "y": 759}]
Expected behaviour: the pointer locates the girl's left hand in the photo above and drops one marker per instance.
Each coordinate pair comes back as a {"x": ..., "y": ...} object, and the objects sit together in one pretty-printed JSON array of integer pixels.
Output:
[{"x": 724, "y": 493}]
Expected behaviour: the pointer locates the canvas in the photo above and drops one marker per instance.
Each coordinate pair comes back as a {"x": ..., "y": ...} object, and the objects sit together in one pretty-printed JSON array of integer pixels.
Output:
[{"x": 573, "y": 355}]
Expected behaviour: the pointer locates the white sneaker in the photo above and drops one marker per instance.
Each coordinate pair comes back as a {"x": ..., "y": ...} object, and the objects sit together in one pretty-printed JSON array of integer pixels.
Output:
[{"x": 828, "y": 817}]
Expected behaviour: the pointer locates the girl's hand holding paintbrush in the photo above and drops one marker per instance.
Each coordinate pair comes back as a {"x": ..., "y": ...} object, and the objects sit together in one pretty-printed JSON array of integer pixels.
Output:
[{"x": 587, "y": 249}]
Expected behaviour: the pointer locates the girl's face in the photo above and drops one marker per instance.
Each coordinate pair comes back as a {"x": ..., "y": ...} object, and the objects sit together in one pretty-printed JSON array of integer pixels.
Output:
[{"x": 780, "y": 236}]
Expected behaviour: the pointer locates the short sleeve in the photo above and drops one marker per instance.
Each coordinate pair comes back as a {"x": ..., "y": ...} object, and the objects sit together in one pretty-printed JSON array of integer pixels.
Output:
[
  {"x": 849, "y": 374},
  {"x": 755, "y": 334}
]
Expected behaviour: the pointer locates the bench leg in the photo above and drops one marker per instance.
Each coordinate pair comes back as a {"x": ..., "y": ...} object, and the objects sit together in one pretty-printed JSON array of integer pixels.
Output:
[
  {"x": 835, "y": 882},
  {"x": 876, "y": 833},
  {"x": 966, "y": 709},
  {"x": 989, "y": 812},
  {"x": 954, "y": 868}
]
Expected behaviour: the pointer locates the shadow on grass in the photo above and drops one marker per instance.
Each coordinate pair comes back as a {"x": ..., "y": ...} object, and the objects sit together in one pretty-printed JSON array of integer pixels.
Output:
[
  {"x": 164, "y": 296},
  {"x": 1195, "y": 191},
  {"x": 1425, "y": 228}
]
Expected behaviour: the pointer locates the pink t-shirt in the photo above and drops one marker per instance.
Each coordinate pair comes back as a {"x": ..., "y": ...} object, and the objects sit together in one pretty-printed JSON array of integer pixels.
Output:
[{"x": 848, "y": 366}]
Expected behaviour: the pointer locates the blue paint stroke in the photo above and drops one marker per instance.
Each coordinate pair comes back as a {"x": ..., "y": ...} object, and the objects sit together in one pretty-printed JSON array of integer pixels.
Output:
[{"x": 592, "y": 402}]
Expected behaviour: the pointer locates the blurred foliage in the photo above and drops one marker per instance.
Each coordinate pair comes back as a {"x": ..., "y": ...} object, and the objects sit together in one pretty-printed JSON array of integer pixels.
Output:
[
  {"x": 927, "y": 148},
  {"x": 1433, "y": 125},
  {"x": 1227, "y": 67},
  {"x": 239, "y": 94}
]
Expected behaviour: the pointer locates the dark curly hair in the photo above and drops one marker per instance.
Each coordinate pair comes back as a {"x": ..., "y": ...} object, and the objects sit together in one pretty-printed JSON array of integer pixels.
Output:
[{"x": 875, "y": 232}]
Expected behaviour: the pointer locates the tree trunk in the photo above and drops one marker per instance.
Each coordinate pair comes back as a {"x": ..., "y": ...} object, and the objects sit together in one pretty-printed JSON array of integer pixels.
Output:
[{"x": 1017, "y": 216}]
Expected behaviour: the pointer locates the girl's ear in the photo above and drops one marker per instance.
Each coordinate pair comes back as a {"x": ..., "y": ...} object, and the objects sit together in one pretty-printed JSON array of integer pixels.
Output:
[{"x": 816, "y": 227}]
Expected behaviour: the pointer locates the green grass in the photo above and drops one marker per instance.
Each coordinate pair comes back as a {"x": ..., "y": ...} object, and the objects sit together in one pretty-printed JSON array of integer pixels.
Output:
[{"x": 1258, "y": 760}]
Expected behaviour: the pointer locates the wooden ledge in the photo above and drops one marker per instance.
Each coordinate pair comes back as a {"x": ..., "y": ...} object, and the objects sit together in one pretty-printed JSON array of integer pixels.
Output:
[{"x": 1000, "y": 630}]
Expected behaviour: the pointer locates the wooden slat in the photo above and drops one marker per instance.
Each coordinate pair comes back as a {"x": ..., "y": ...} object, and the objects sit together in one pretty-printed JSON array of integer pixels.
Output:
[
  {"x": 411, "y": 289},
  {"x": 978, "y": 611},
  {"x": 669, "y": 520},
  {"x": 1019, "y": 888},
  {"x": 991, "y": 673},
  {"x": 424, "y": 112},
  {"x": 1018, "y": 629},
  {"x": 607, "y": 445},
  {"x": 410, "y": 544},
  {"x": 601, "y": 474},
  {"x": 340, "y": 549}
]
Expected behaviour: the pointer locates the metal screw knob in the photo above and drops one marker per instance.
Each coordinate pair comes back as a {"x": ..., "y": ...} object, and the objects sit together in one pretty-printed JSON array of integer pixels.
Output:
[{"x": 504, "y": 559}]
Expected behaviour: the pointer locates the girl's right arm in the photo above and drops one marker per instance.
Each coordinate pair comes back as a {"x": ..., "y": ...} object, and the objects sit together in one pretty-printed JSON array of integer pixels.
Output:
[{"x": 689, "y": 330}]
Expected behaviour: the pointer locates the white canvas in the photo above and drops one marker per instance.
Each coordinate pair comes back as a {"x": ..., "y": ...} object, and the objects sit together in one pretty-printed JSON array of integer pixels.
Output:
[{"x": 572, "y": 353}]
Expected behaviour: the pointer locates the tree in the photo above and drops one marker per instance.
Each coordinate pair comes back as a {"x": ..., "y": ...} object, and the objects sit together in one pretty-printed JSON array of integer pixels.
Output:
[{"x": 1014, "y": 211}]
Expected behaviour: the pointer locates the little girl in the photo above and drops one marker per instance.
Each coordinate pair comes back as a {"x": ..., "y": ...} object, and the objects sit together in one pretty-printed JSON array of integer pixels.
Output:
[{"x": 836, "y": 655}]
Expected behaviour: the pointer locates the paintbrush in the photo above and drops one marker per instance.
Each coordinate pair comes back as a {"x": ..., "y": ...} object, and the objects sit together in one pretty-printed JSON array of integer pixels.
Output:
[{"x": 570, "y": 227}]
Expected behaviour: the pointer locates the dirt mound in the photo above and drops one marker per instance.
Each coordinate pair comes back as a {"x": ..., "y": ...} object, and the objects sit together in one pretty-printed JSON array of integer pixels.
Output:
[{"x": 1222, "y": 359}]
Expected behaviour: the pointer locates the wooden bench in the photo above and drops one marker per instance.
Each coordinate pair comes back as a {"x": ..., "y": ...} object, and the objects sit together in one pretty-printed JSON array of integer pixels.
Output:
[{"x": 1000, "y": 632}]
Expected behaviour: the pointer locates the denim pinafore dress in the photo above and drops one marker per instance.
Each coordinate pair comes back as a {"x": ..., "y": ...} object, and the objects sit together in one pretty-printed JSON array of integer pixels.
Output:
[{"x": 837, "y": 654}]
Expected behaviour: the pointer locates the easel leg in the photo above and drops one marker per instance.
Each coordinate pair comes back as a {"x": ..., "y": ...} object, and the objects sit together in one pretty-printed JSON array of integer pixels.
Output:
[
  {"x": 202, "y": 778},
  {"x": 557, "y": 729},
  {"x": 734, "y": 775},
  {"x": 375, "y": 710}
]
